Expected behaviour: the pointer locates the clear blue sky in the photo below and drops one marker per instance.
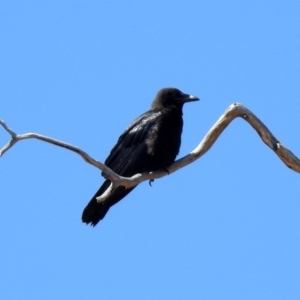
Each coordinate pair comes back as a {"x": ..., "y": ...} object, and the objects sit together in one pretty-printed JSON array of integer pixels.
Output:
[{"x": 225, "y": 227}]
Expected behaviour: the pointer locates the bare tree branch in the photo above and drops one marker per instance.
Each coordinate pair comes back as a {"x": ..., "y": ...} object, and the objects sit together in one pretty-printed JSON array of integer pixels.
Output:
[{"x": 233, "y": 111}]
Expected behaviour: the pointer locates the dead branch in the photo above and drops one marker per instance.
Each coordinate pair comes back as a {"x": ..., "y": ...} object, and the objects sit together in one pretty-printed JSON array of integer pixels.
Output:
[{"x": 233, "y": 111}]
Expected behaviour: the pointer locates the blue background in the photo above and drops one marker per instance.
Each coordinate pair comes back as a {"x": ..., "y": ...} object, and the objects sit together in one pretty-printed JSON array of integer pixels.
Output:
[{"x": 225, "y": 227}]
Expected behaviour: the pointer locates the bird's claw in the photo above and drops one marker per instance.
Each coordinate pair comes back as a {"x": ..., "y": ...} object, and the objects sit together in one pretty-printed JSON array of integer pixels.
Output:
[
  {"x": 166, "y": 170},
  {"x": 150, "y": 181}
]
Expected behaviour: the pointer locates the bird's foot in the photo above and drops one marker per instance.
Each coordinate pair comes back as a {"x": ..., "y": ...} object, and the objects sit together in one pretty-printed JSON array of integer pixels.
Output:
[
  {"x": 166, "y": 170},
  {"x": 150, "y": 181}
]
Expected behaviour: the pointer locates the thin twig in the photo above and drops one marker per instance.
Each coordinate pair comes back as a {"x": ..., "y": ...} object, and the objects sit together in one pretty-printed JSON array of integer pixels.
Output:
[{"x": 233, "y": 111}]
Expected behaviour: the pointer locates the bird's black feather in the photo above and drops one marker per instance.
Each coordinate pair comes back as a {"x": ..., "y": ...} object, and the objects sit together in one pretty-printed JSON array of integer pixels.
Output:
[{"x": 150, "y": 143}]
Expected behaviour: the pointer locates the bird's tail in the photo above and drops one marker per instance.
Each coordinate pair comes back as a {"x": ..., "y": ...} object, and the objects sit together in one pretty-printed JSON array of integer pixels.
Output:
[{"x": 94, "y": 211}]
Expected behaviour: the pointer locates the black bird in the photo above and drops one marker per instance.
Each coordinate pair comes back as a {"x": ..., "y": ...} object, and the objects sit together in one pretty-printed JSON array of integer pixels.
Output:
[{"x": 150, "y": 143}]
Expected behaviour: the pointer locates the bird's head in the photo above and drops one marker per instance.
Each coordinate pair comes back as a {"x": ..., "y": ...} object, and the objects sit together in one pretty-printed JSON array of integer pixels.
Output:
[{"x": 172, "y": 97}]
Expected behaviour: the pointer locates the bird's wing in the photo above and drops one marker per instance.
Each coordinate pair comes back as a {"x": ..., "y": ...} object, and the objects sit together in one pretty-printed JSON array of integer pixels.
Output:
[{"x": 130, "y": 152}]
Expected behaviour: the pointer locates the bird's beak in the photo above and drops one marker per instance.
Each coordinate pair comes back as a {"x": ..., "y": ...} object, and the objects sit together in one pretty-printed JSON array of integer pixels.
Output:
[{"x": 189, "y": 98}]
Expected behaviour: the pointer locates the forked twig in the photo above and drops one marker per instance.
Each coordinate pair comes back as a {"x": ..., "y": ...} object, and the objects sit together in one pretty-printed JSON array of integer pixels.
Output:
[{"x": 233, "y": 111}]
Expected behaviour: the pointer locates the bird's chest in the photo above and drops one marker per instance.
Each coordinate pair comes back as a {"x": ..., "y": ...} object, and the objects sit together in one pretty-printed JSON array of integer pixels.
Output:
[{"x": 164, "y": 141}]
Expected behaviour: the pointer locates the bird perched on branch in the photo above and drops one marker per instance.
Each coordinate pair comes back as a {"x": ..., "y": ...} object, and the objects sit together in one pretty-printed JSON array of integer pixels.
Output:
[{"x": 150, "y": 143}]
